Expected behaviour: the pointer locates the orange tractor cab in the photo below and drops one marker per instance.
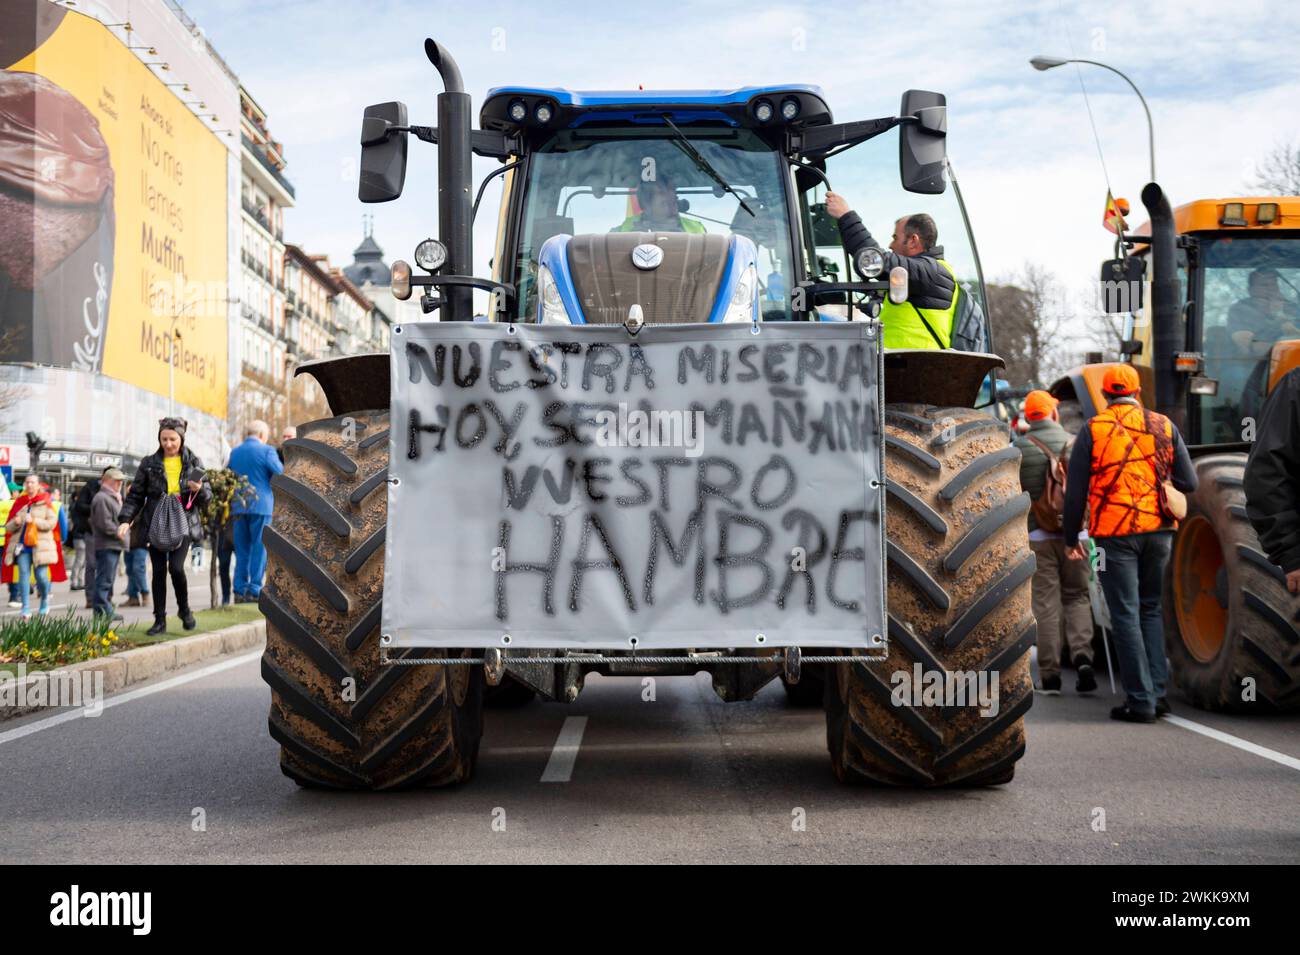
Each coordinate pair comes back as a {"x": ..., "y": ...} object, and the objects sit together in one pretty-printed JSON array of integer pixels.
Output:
[{"x": 1210, "y": 292}]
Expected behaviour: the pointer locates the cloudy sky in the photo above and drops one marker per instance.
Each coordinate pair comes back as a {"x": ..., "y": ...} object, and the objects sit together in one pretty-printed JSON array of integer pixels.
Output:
[{"x": 1221, "y": 80}]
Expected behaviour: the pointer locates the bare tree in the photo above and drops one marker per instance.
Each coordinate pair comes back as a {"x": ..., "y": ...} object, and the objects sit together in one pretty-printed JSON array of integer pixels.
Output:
[
  {"x": 1030, "y": 313},
  {"x": 1278, "y": 173}
]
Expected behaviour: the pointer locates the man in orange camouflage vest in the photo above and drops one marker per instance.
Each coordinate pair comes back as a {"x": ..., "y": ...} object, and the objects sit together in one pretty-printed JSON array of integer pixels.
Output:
[{"x": 1121, "y": 459}]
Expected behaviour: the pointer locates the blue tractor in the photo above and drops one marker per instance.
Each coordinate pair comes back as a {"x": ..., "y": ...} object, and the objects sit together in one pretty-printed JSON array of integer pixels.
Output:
[{"x": 663, "y": 207}]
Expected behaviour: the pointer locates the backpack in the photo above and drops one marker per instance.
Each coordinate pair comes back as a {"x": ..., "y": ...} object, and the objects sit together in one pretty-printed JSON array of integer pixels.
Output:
[
  {"x": 969, "y": 330},
  {"x": 170, "y": 527},
  {"x": 1049, "y": 508}
]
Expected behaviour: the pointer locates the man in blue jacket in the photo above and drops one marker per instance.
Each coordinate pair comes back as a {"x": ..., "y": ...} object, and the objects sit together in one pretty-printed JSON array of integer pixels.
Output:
[{"x": 251, "y": 512}]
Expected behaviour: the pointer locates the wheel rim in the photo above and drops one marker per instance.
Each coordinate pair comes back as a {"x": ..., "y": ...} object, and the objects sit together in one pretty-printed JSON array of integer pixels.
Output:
[{"x": 1198, "y": 561}]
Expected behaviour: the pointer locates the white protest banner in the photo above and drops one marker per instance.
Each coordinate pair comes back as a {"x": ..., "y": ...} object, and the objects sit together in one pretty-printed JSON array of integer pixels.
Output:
[{"x": 692, "y": 486}]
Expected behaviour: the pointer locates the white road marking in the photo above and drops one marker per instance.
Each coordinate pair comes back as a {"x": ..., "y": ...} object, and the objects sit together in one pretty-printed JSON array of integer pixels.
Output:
[
  {"x": 128, "y": 696},
  {"x": 559, "y": 768},
  {"x": 1289, "y": 761}
]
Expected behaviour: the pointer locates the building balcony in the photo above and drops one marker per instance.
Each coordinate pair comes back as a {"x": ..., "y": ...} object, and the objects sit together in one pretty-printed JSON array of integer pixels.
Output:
[{"x": 257, "y": 153}]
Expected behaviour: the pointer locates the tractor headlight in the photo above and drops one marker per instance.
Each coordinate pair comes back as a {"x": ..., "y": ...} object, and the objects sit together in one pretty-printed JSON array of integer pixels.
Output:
[
  {"x": 430, "y": 255},
  {"x": 548, "y": 296},
  {"x": 400, "y": 279},
  {"x": 789, "y": 109},
  {"x": 763, "y": 111},
  {"x": 870, "y": 262},
  {"x": 543, "y": 113},
  {"x": 743, "y": 299},
  {"x": 518, "y": 110}
]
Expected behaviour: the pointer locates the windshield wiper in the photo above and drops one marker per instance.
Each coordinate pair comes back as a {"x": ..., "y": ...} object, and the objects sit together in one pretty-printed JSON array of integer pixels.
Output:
[{"x": 693, "y": 154}]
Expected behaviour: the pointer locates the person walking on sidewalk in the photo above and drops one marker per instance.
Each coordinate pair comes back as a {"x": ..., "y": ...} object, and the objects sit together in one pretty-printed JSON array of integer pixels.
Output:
[
  {"x": 1121, "y": 467},
  {"x": 109, "y": 539},
  {"x": 137, "y": 565},
  {"x": 83, "y": 554},
  {"x": 172, "y": 470},
  {"x": 257, "y": 462},
  {"x": 6, "y": 504},
  {"x": 1060, "y": 584},
  {"x": 33, "y": 547}
]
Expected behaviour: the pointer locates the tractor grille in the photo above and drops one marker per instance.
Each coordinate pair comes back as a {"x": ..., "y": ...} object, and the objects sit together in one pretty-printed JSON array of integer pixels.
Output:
[{"x": 681, "y": 290}]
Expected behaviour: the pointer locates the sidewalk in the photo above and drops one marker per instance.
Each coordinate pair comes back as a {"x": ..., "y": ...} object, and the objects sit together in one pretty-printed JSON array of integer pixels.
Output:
[{"x": 63, "y": 598}]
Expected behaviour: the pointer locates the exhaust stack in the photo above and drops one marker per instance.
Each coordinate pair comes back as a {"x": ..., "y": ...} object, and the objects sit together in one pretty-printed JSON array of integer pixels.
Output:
[
  {"x": 455, "y": 210},
  {"x": 1168, "y": 337}
]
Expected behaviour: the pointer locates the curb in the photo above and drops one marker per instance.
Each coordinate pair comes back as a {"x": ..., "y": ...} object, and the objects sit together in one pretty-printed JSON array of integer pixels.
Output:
[{"x": 121, "y": 670}]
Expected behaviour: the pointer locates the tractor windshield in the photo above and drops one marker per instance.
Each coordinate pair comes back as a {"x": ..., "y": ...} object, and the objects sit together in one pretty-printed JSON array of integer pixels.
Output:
[
  {"x": 598, "y": 180},
  {"x": 1250, "y": 300}
]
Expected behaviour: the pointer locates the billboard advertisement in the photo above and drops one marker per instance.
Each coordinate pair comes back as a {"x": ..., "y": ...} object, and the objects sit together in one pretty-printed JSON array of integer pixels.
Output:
[{"x": 113, "y": 195}]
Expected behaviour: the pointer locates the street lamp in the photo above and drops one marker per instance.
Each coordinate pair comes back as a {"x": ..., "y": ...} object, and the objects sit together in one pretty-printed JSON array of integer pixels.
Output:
[{"x": 1043, "y": 63}]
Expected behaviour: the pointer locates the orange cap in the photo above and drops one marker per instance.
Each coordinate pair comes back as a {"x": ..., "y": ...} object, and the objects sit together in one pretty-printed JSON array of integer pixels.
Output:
[
  {"x": 1039, "y": 405},
  {"x": 1120, "y": 381}
]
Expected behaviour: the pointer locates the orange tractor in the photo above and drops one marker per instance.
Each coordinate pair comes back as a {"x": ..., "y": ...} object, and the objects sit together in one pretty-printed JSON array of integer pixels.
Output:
[{"x": 1219, "y": 329}]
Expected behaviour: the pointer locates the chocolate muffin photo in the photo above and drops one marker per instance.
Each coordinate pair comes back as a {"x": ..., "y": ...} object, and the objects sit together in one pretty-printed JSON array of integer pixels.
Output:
[{"x": 56, "y": 206}]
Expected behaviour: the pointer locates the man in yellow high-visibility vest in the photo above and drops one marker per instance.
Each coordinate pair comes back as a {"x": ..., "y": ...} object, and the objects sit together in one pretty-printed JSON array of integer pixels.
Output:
[
  {"x": 925, "y": 320},
  {"x": 660, "y": 210}
]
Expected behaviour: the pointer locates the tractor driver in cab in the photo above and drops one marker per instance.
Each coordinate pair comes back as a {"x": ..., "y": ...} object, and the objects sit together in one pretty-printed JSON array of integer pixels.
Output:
[
  {"x": 1263, "y": 316},
  {"x": 660, "y": 211},
  {"x": 925, "y": 320}
]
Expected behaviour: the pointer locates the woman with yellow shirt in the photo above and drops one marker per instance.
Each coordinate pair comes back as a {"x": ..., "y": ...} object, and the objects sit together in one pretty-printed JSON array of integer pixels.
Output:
[{"x": 171, "y": 470}]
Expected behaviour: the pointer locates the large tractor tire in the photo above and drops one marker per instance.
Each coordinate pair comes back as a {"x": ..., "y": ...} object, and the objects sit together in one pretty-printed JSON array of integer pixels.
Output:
[
  {"x": 1228, "y": 615},
  {"x": 959, "y": 569},
  {"x": 342, "y": 719}
]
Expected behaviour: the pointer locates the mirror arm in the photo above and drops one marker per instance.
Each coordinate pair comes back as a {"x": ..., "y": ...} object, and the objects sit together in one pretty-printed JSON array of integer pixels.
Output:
[
  {"x": 816, "y": 141},
  {"x": 486, "y": 143}
]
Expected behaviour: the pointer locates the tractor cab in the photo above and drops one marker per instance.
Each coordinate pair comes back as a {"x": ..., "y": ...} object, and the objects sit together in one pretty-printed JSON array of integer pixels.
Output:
[
  {"x": 730, "y": 187},
  {"x": 1239, "y": 283},
  {"x": 1235, "y": 310},
  {"x": 681, "y": 206}
]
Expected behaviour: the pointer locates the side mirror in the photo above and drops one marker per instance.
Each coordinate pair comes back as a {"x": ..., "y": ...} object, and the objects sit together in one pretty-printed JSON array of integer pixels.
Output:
[
  {"x": 383, "y": 153},
  {"x": 923, "y": 144},
  {"x": 1121, "y": 285}
]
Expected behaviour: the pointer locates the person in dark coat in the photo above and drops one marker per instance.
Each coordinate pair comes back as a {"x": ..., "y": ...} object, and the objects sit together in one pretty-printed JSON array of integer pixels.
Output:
[
  {"x": 172, "y": 469},
  {"x": 1272, "y": 480},
  {"x": 83, "y": 560},
  {"x": 108, "y": 537}
]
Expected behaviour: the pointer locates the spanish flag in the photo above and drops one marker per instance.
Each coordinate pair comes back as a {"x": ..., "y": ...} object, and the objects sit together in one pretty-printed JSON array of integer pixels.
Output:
[{"x": 1113, "y": 219}]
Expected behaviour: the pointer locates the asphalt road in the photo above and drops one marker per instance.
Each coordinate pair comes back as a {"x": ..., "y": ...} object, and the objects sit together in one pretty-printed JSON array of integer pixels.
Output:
[{"x": 686, "y": 778}]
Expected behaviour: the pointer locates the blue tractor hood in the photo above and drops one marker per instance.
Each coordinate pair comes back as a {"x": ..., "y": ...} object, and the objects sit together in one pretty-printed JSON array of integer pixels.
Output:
[{"x": 671, "y": 278}]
